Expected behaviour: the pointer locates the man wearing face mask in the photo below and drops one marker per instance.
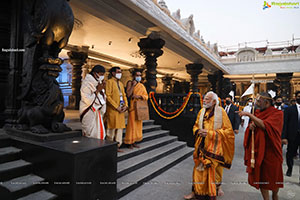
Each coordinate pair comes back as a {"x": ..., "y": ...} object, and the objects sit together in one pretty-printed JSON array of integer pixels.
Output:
[
  {"x": 116, "y": 106},
  {"x": 267, "y": 123},
  {"x": 233, "y": 116},
  {"x": 278, "y": 103},
  {"x": 135, "y": 91},
  {"x": 245, "y": 119},
  {"x": 291, "y": 132},
  {"x": 214, "y": 149},
  {"x": 93, "y": 103}
]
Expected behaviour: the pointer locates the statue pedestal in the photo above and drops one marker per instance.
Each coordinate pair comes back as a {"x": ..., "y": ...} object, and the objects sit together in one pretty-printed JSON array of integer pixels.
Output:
[
  {"x": 74, "y": 168},
  {"x": 28, "y": 135}
]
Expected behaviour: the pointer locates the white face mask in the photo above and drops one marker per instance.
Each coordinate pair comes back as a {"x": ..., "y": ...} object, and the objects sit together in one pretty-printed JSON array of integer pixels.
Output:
[
  {"x": 250, "y": 103},
  {"x": 138, "y": 78},
  {"x": 100, "y": 79},
  {"x": 118, "y": 75}
]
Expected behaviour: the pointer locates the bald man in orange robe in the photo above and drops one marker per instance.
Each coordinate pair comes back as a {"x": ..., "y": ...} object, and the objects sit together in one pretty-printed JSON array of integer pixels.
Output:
[{"x": 267, "y": 123}]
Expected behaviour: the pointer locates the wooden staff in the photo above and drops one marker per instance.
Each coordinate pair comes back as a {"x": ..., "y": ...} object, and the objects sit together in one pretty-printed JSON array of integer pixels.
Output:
[{"x": 252, "y": 161}]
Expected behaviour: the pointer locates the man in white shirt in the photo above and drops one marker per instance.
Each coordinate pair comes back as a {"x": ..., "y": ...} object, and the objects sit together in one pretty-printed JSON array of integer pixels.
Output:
[{"x": 245, "y": 119}]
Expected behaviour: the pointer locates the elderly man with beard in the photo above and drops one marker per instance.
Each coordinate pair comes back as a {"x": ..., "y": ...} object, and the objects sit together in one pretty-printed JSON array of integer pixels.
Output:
[
  {"x": 214, "y": 148},
  {"x": 267, "y": 123}
]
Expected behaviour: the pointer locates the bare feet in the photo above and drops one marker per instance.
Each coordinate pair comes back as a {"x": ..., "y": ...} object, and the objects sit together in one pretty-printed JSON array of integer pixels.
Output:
[
  {"x": 220, "y": 192},
  {"x": 189, "y": 196},
  {"x": 135, "y": 145},
  {"x": 120, "y": 151}
]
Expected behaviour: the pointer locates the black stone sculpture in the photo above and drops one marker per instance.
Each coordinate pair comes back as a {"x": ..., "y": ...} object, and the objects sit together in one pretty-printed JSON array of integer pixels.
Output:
[{"x": 48, "y": 25}]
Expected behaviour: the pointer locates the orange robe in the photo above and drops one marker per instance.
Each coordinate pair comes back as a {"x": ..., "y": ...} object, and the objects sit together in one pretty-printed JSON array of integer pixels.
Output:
[
  {"x": 267, "y": 172},
  {"x": 211, "y": 154},
  {"x": 134, "y": 129}
]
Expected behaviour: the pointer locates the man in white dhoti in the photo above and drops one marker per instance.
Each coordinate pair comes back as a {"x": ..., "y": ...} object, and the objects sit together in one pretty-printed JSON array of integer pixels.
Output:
[
  {"x": 245, "y": 119},
  {"x": 93, "y": 103}
]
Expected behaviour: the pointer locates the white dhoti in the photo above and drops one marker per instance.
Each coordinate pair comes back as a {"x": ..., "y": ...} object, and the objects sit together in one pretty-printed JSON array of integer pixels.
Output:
[{"x": 92, "y": 108}]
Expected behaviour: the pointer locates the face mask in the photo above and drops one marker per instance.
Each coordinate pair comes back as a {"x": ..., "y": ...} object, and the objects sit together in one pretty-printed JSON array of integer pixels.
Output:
[
  {"x": 298, "y": 100},
  {"x": 138, "y": 79},
  {"x": 100, "y": 79},
  {"x": 228, "y": 102},
  {"x": 250, "y": 103},
  {"x": 118, "y": 75},
  {"x": 278, "y": 103}
]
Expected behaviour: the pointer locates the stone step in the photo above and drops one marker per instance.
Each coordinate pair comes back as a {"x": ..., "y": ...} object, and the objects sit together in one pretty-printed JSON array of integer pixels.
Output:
[
  {"x": 136, "y": 162},
  {"x": 4, "y": 139},
  {"x": 148, "y": 122},
  {"x": 139, "y": 177},
  {"x": 40, "y": 195},
  {"x": 146, "y": 146},
  {"x": 23, "y": 185},
  {"x": 8, "y": 154},
  {"x": 147, "y": 128},
  {"x": 154, "y": 135},
  {"x": 10, "y": 170}
]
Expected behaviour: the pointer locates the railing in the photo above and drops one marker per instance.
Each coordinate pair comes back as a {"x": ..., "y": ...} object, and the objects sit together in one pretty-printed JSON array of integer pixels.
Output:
[
  {"x": 180, "y": 125},
  {"x": 171, "y": 102}
]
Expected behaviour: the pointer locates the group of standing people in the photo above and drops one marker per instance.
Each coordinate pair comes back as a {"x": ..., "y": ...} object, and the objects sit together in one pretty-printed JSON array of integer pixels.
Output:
[
  {"x": 215, "y": 130},
  {"x": 104, "y": 103}
]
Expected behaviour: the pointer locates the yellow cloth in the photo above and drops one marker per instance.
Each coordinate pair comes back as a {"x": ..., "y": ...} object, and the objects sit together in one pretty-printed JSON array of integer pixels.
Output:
[
  {"x": 134, "y": 129},
  {"x": 114, "y": 119},
  {"x": 211, "y": 154}
]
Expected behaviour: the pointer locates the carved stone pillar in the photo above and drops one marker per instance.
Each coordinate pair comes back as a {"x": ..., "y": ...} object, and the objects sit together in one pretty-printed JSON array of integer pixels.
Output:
[
  {"x": 168, "y": 85},
  {"x": 284, "y": 86},
  {"x": 194, "y": 69},
  {"x": 77, "y": 59},
  {"x": 150, "y": 48},
  {"x": 15, "y": 63},
  {"x": 220, "y": 85},
  {"x": 212, "y": 78}
]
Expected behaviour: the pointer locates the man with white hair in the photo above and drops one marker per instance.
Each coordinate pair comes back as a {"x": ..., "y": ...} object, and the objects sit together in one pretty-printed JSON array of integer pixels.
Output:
[{"x": 214, "y": 148}]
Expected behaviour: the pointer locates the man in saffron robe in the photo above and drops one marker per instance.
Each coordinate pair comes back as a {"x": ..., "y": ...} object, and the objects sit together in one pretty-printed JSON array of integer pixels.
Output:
[
  {"x": 93, "y": 104},
  {"x": 136, "y": 91},
  {"x": 267, "y": 123},
  {"x": 214, "y": 148}
]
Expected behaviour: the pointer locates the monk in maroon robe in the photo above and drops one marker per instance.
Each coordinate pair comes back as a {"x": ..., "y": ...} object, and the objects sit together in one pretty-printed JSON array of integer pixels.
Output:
[{"x": 267, "y": 123}]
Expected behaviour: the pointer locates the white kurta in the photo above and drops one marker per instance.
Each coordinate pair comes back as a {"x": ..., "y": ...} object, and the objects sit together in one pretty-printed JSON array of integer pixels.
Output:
[
  {"x": 92, "y": 121},
  {"x": 245, "y": 118}
]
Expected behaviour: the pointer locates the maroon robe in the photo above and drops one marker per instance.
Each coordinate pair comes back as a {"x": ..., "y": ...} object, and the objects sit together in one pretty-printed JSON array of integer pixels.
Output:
[{"x": 267, "y": 172}]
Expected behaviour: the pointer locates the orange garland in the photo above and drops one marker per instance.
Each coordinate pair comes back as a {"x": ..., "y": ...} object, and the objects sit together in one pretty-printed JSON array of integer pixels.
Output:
[{"x": 151, "y": 94}]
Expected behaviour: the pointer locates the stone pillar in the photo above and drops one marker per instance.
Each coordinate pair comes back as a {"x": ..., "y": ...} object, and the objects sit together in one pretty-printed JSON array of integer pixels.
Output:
[
  {"x": 239, "y": 90},
  {"x": 194, "y": 69},
  {"x": 150, "y": 48},
  {"x": 284, "y": 86},
  {"x": 168, "y": 85},
  {"x": 77, "y": 59},
  {"x": 220, "y": 85},
  {"x": 15, "y": 63},
  {"x": 212, "y": 78}
]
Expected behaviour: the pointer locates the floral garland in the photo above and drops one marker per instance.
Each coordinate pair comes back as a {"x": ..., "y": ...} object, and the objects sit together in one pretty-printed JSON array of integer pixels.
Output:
[{"x": 177, "y": 112}]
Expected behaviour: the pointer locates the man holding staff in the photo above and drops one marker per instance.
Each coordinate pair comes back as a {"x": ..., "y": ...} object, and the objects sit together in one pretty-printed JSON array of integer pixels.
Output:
[{"x": 267, "y": 123}]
